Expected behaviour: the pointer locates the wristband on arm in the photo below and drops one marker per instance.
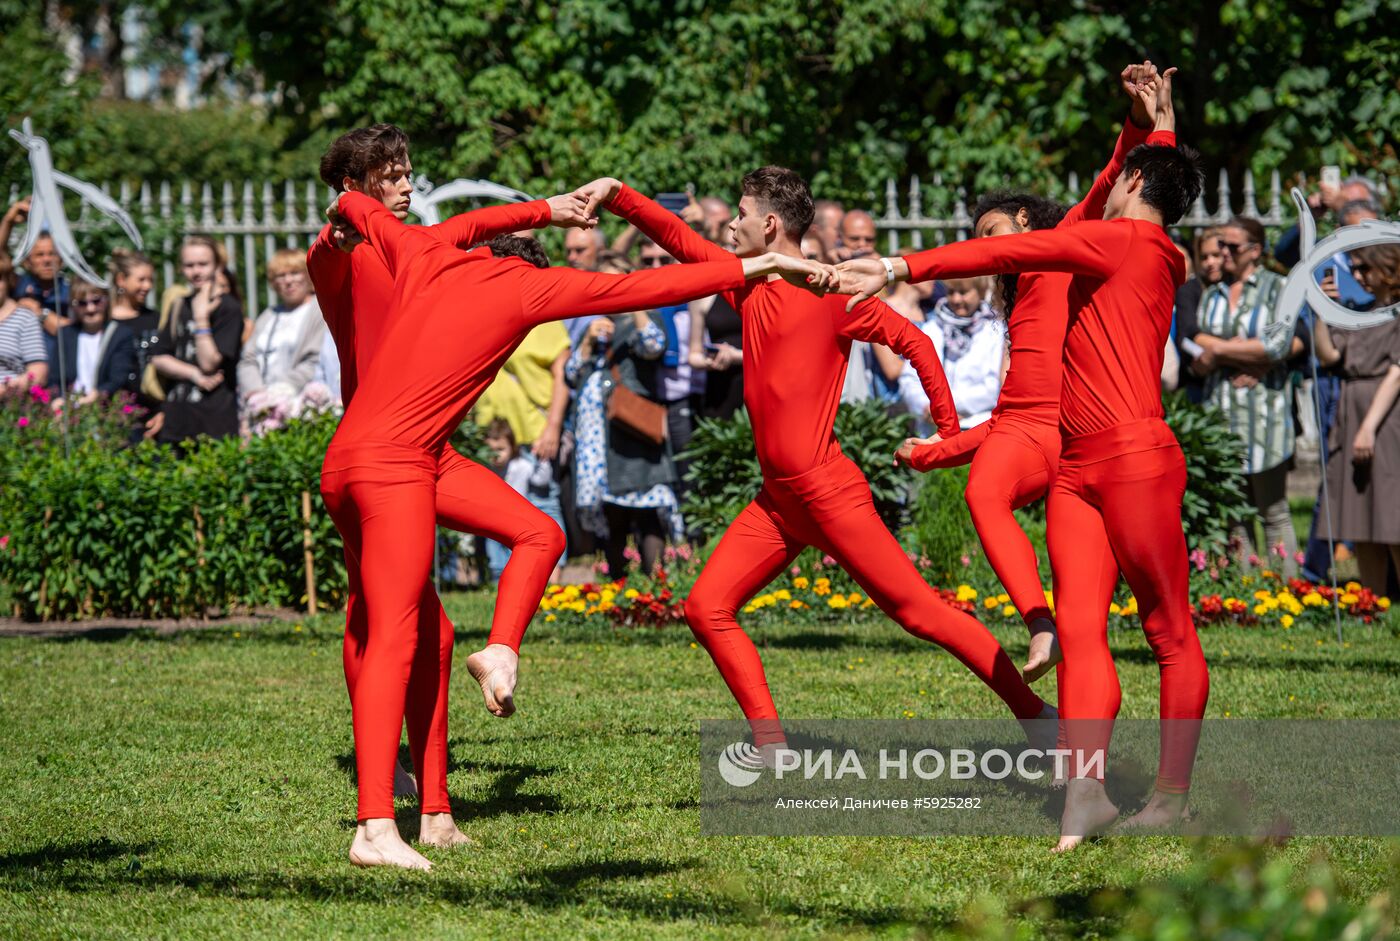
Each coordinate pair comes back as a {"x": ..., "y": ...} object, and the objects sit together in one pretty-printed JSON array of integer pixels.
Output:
[{"x": 889, "y": 271}]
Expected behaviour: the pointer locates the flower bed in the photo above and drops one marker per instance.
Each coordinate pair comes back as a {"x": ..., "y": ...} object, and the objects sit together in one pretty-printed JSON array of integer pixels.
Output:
[{"x": 818, "y": 590}]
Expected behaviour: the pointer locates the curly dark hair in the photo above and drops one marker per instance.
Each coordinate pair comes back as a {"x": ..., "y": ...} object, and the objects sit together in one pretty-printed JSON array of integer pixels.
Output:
[
  {"x": 362, "y": 151},
  {"x": 1172, "y": 177},
  {"x": 1041, "y": 213},
  {"x": 517, "y": 246}
]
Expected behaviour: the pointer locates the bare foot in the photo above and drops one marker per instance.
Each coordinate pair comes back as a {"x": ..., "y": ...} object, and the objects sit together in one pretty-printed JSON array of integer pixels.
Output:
[
  {"x": 1044, "y": 730},
  {"x": 441, "y": 830},
  {"x": 1162, "y": 811},
  {"x": 494, "y": 667},
  {"x": 1044, "y": 652},
  {"x": 377, "y": 843},
  {"x": 404, "y": 785},
  {"x": 1088, "y": 811}
]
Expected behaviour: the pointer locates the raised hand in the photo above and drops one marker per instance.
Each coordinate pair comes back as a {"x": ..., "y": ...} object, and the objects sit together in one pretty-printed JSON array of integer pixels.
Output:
[
  {"x": 597, "y": 193},
  {"x": 570, "y": 211},
  {"x": 1166, "y": 111},
  {"x": 862, "y": 277},
  {"x": 1130, "y": 80},
  {"x": 344, "y": 236}
]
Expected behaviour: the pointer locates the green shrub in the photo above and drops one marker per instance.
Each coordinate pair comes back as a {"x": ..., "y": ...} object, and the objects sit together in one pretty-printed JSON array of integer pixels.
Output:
[
  {"x": 1215, "y": 499},
  {"x": 724, "y": 474},
  {"x": 114, "y": 531}
]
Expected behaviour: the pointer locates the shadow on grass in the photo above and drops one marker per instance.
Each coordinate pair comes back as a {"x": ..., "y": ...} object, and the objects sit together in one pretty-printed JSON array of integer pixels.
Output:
[
  {"x": 502, "y": 797},
  {"x": 614, "y": 885}
]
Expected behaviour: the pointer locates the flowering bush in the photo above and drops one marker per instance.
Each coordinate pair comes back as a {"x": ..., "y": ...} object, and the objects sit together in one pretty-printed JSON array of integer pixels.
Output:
[
  {"x": 272, "y": 407},
  {"x": 32, "y": 421}
]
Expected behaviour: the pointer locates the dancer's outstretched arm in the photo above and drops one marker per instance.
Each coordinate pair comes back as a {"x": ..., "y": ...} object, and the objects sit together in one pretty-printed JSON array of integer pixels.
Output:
[
  {"x": 874, "y": 321},
  {"x": 557, "y": 293},
  {"x": 924, "y": 454},
  {"x": 396, "y": 243},
  {"x": 464, "y": 230},
  {"x": 662, "y": 226}
]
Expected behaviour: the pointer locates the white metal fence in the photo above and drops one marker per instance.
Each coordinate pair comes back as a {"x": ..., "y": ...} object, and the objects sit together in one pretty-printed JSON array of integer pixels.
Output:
[{"x": 253, "y": 220}]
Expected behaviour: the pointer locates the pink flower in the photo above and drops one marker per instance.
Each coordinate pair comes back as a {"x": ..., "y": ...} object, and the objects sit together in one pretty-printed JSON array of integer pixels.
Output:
[
  {"x": 1198, "y": 559},
  {"x": 128, "y": 409},
  {"x": 1299, "y": 557},
  {"x": 828, "y": 560},
  {"x": 796, "y": 571},
  {"x": 966, "y": 560},
  {"x": 5, "y": 541},
  {"x": 631, "y": 554},
  {"x": 1253, "y": 559},
  {"x": 23, "y": 422},
  {"x": 1279, "y": 551}
]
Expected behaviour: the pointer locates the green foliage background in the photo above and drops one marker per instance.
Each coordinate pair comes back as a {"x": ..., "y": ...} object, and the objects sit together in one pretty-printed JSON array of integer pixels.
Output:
[{"x": 543, "y": 95}]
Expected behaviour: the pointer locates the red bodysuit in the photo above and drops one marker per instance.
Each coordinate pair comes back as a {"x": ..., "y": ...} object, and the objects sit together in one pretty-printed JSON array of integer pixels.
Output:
[
  {"x": 1116, "y": 502},
  {"x": 355, "y": 292},
  {"x": 456, "y": 317},
  {"x": 795, "y": 350},
  {"x": 1016, "y": 452}
]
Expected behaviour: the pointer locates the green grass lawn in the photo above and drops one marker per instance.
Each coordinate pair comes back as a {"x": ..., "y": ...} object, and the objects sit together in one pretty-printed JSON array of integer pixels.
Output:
[{"x": 200, "y": 785}]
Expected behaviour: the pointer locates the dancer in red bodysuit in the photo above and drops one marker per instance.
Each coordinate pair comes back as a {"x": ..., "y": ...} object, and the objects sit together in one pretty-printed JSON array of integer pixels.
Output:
[
  {"x": 1015, "y": 453},
  {"x": 457, "y": 316},
  {"x": 795, "y": 351},
  {"x": 355, "y": 291},
  {"x": 1116, "y": 503}
]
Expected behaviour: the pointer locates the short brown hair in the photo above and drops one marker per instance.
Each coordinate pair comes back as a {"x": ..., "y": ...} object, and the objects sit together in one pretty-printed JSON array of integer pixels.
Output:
[
  {"x": 500, "y": 429},
  {"x": 83, "y": 288},
  {"x": 1384, "y": 260},
  {"x": 785, "y": 194},
  {"x": 362, "y": 151},
  {"x": 285, "y": 259}
]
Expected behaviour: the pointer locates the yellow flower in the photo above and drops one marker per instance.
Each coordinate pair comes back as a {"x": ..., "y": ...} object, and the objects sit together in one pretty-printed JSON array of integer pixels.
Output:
[
  {"x": 593, "y": 596},
  {"x": 990, "y": 603},
  {"x": 1312, "y": 599},
  {"x": 967, "y": 593},
  {"x": 1003, "y": 598},
  {"x": 868, "y": 603},
  {"x": 1261, "y": 594},
  {"x": 1383, "y": 603},
  {"x": 800, "y": 582},
  {"x": 822, "y": 589},
  {"x": 1350, "y": 598},
  {"x": 1009, "y": 611},
  {"x": 554, "y": 589},
  {"x": 797, "y": 605},
  {"x": 823, "y": 581},
  {"x": 749, "y": 609},
  {"x": 1267, "y": 573},
  {"x": 782, "y": 594},
  {"x": 1114, "y": 609},
  {"x": 1352, "y": 586},
  {"x": 1286, "y": 621},
  {"x": 1260, "y": 609},
  {"x": 837, "y": 601},
  {"x": 630, "y": 593},
  {"x": 853, "y": 597},
  {"x": 550, "y": 617}
]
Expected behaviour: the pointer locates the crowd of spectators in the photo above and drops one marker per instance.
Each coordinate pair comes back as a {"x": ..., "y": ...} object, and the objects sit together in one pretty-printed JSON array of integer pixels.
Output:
[{"x": 202, "y": 366}]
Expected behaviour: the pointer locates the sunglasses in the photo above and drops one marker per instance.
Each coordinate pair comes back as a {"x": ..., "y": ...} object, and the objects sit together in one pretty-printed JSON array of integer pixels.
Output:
[
  {"x": 99, "y": 301},
  {"x": 656, "y": 261},
  {"x": 1360, "y": 267},
  {"x": 1234, "y": 248}
]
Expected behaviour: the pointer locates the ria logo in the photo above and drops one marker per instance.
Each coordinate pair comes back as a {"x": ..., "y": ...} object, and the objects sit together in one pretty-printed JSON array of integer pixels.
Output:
[{"x": 740, "y": 764}]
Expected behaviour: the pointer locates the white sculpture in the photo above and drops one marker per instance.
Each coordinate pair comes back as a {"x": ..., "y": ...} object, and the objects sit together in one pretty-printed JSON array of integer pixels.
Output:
[
  {"x": 1302, "y": 287},
  {"x": 426, "y": 197},
  {"x": 46, "y": 210}
]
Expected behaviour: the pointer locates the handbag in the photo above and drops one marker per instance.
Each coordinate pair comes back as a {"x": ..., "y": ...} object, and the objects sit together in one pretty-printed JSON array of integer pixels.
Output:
[{"x": 636, "y": 414}]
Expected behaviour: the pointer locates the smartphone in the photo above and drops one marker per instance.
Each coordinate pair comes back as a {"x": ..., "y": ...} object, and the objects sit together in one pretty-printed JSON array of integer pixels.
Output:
[
  {"x": 711, "y": 350},
  {"x": 1329, "y": 272},
  {"x": 1191, "y": 348},
  {"x": 673, "y": 202},
  {"x": 1332, "y": 176}
]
